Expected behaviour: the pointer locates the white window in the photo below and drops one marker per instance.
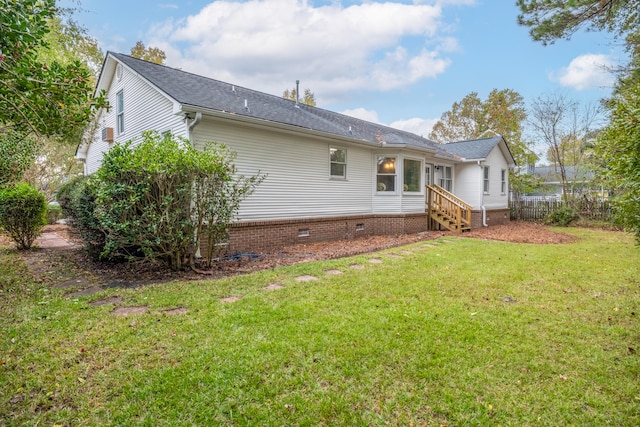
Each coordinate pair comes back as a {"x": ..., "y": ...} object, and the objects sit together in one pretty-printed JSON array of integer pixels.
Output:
[
  {"x": 386, "y": 174},
  {"x": 412, "y": 173},
  {"x": 485, "y": 185},
  {"x": 120, "y": 112},
  {"x": 428, "y": 174},
  {"x": 338, "y": 160},
  {"x": 446, "y": 179},
  {"x": 503, "y": 181}
]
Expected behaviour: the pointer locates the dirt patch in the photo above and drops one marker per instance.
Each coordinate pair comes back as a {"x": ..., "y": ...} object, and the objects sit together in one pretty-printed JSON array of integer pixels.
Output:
[{"x": 273, "y": 287}]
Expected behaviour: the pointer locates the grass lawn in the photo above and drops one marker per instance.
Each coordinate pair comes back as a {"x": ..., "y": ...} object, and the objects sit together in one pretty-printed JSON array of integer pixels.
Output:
[{"x": 453, "y": 332}]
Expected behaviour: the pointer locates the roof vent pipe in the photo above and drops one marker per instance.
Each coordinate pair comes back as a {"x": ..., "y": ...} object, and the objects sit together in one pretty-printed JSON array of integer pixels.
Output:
[{"x": 297, "y": 91}]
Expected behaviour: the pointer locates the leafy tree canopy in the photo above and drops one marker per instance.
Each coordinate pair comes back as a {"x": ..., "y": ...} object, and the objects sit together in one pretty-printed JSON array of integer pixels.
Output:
[
  {"x": 503, "y": 113},
  {"x": 151, "y": 54},
  {"x": 48, "y": 98}
]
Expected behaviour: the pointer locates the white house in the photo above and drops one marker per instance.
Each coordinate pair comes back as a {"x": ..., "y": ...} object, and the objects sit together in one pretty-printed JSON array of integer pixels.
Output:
[{"x": 329, "y": 176}]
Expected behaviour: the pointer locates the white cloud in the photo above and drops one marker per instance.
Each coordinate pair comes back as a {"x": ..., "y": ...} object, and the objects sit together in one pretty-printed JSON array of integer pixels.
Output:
[
  {"x": 589, "y": 71},
  {"x": 415, "y": 125},
  {"x": 333, "y": 49},
  {"x": 363, "y": 114}
]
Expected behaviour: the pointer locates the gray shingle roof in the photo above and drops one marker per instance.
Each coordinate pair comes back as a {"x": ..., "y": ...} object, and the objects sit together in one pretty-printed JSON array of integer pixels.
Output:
[
  {"x": 202, "y": 92},
  {"x": 474, "y": 149}
]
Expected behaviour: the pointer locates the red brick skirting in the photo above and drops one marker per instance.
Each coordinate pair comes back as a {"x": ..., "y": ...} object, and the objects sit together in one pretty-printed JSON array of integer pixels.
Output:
[
  {"x": 494, "y": 217},
  {"x": 256, "y": 236}
]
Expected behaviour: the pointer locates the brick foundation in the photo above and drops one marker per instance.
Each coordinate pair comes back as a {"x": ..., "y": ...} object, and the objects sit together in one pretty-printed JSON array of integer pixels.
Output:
[
  {"x": 256, "y": 236},
  {"x": 494, "y": 217}
]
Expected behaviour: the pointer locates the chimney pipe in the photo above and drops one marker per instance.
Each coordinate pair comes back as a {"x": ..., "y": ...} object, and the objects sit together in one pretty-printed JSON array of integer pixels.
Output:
[{"x": 297, "y": 91}]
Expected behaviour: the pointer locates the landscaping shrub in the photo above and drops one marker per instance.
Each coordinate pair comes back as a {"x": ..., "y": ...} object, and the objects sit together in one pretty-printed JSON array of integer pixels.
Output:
[
  {"x": 77, "y": 200},
  {"x": 54, "y": 213},
  {"x": 153, "y": 199},
  {"x": 22, "y": 213},
  {"x": 562, "y": 216}
]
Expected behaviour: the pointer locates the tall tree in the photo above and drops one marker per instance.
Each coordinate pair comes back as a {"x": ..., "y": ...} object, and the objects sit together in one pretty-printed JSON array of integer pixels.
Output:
[
  {"x": 43, "y": 97},
  {"x": 550, "y": 20},
  {"x": 619, "y": 147},
  {"x": 151, "y": 54},
  {"x": 561, "y": 125},
  {"x": 465, "y": 120},
  {"x": 618, "y": 143},
  {"x": 309, "y": 98}
]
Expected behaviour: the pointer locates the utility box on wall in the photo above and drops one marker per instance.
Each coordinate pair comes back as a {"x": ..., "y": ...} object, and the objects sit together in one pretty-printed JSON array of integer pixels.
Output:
[{"x": 107, "y": 134}]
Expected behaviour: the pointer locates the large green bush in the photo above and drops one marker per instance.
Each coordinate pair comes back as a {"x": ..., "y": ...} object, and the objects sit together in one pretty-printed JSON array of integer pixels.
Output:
[
  {"x": 77, "y": 199},
  {"x": 154, "y": 199},
  {"x": 22, "y": 213}
]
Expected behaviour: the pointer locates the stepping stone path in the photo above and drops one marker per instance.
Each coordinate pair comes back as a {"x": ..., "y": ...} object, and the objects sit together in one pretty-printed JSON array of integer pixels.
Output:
[
  {"x": 233, "y": 298},
  {"x": 394, "y": 256},
  {"x": 406, "y": 252},
  {"x": 357, "y": 266},
  {"x": 273, "y": 287},
  {"x": 305, "y": 278},
  {"x": 333, "y": 272},
  {"x": 375, "y": 261}
]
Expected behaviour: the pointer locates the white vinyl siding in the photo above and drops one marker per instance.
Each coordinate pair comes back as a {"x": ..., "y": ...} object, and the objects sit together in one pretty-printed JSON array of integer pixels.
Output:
[
  {"x": 145, "y": 108},
  {"x": 296, "y": 184}
]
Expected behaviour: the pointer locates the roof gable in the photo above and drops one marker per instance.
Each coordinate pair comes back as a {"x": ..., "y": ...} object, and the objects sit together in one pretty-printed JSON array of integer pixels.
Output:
[
  {"x": 479, "y": 149},
  {"x": 206, "y": 94}
]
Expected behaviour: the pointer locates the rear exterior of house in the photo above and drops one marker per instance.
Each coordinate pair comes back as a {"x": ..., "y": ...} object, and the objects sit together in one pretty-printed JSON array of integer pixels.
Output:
[{"x": 328, "y": 176}]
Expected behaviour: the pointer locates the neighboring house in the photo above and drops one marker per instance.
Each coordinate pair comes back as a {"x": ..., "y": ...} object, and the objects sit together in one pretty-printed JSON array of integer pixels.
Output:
[
  {"x": 579, "y": 183},
  {"x": 329, "y": 176}
]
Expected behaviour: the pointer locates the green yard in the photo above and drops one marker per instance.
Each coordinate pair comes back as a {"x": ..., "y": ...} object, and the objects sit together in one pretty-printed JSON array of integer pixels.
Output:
[{"x": 455, "y": 331}]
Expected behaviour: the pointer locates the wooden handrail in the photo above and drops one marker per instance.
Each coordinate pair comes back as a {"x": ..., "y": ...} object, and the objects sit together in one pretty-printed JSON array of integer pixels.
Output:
[{"x": 443, "y": 204}]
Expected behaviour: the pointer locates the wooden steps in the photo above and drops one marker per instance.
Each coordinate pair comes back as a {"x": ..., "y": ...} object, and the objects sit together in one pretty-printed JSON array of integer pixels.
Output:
[{"x": 446, "y": 209}]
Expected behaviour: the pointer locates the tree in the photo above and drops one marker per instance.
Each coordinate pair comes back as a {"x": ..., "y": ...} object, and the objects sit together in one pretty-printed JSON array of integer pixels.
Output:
[
  {"x": 619, "y": 147},
  {"x": 560, "y": 124},
  {"x": 151, "y": 54},
  {"x": 309, "y": 98},
  {"x": 550, "y": 20},
  {"x": 17, "y": 154},
  {"x": 466, "y": 120},
  {"x": 45, "y": 98}
]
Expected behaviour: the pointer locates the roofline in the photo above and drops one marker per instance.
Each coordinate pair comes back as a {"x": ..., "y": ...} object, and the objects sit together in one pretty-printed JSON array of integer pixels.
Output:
[{"x": 186, "y": 108}]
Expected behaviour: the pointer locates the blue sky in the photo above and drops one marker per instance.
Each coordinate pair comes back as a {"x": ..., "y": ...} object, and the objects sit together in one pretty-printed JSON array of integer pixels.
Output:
[{"x": 400, "y": 63}]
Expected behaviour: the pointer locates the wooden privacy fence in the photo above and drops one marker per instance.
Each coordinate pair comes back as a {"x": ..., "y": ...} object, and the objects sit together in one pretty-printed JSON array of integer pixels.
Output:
[{"x": 536, "y": 209}]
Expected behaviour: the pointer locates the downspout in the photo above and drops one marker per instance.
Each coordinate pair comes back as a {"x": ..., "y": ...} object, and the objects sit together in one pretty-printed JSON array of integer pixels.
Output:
[{"x": 193, "y": 124}]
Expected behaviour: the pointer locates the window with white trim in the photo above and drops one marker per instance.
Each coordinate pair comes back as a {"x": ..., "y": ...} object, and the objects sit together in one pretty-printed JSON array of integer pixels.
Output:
[
  {"x": 412, "y": 174},
  {"x": 485, "y": 185},
  {"x": 386, "y": 174},
  {"x": 120, "y": 112},
  {"x": 503, "y": 181},
  {"x": 338, "y": 161},
  {"x": 446, "y": 180}
]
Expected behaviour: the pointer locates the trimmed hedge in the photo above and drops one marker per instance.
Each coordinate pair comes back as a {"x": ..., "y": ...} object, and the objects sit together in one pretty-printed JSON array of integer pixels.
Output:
[{"x": 22, "y": 213}]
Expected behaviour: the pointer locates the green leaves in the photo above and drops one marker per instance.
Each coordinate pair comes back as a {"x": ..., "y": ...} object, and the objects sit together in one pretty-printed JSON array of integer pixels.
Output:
[
  {"x": 22, "y": 213},
  {"x": 49, "y": 99}
]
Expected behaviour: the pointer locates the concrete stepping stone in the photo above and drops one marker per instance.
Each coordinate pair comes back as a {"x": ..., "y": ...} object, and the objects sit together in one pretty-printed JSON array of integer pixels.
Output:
[
  {"x": 394, "y": 256},
  {"x": 305, "y": 278},
  {"x": 273, "y": 287},
  {"x": 232, "y": 298},
  {"x": 375, "y": 261},
  {"x": 333, "y": 272},
  {"x": 357, "y": 266}
]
